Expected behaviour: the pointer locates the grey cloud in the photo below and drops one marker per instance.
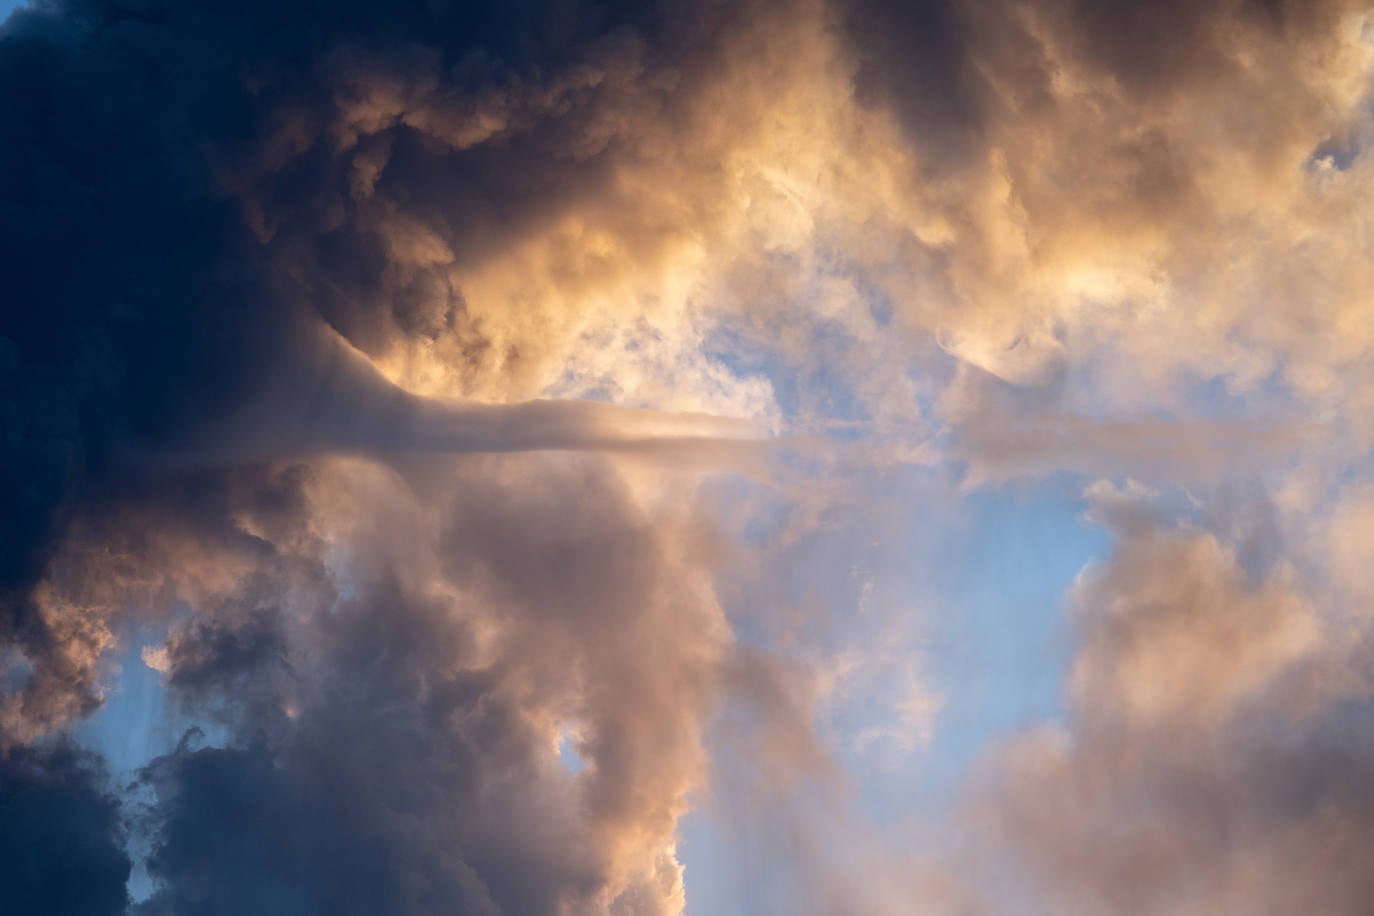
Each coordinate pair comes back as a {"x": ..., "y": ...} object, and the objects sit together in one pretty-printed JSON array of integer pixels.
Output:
[
  {"x": 392, "y": 715},
  {"x": 187, "y": 166},
  {"x": 1213, "y": 757},
  {"x": 62, "y": 842},
  {"x": 201, "y": 190}
]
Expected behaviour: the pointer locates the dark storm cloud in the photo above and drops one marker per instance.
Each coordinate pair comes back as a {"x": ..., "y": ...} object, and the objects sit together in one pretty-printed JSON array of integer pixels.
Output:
[
  {"x": 940, "y": 64},
  {"x": 61, "y": 837},
  {"x": 916, "y": 58},
  {"x": 179, "y": 231},
  {"x": 177, "y": 234},
  {"x": 142, "y": 305},
  {"x": 339, "y": 809},
  {"x": 1163, "y": 47},
  {"x": 131, "y": 305}
]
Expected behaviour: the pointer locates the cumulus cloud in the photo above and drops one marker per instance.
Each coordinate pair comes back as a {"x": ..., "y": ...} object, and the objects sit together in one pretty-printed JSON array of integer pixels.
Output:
[
  {"x": 395, "y": 680},
  {"x": 159, "y": 392},
  {"x": 1211, "y": 759},
  {"x": 375, "y": 359}
]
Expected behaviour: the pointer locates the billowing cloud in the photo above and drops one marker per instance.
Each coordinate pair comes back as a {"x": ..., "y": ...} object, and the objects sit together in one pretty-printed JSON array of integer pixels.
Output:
[
  {"x": 1218, "y": 731},
  {"x": 503, "y": 426},
  {"x": 63, "y": 838},
  {"x": 395, "y": 680}
]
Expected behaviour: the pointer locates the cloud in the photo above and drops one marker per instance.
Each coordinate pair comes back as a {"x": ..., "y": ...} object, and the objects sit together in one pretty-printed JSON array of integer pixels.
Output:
[
  {"x": 62, "y": 846},
  {"x": 376, "y": 355},
  {"x": 192, "y": 336},
  {"x": 259, "y": 229},
  {"x": 1212, "y": 754},
  {"x": 1135, "y": 195},
  {"x": 1002, "y": 432},
  {"x": 395, "y": 693}
]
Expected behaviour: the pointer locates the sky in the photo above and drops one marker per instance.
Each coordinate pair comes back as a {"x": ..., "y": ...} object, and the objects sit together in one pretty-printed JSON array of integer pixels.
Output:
[{"x": 822, "y": 457}]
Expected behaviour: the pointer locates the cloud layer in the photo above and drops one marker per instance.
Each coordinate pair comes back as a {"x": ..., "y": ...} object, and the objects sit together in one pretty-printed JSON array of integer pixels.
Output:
[{"x": 504, "y": 427}]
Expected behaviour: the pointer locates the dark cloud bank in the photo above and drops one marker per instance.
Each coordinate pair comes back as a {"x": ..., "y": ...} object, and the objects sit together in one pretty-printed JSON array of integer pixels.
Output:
[
  {"x": 192, "y": 238},
  {"x": 182, "y": 262}
]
